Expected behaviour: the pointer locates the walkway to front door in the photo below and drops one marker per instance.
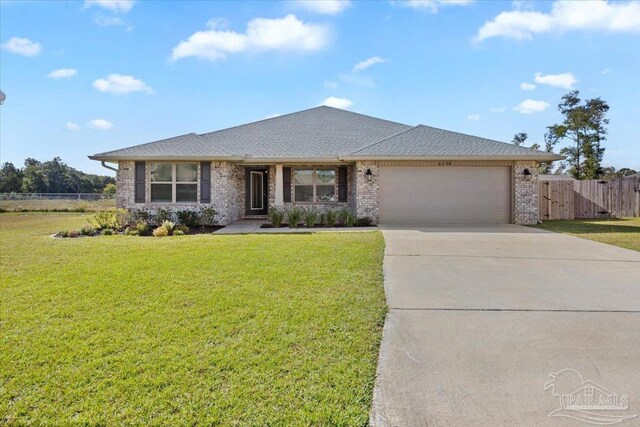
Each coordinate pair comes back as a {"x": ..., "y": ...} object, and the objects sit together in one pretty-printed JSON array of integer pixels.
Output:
[{"x": 257, "y": 191}]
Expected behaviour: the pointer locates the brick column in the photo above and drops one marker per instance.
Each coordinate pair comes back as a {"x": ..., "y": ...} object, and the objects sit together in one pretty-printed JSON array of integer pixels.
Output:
[
  {"x": 125, "y": 185},
  {"x": 366, "y": 191},
  {"x": 525, "y": 193}
]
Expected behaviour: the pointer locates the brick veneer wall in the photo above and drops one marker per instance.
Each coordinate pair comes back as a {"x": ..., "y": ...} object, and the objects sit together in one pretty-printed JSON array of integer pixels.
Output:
[
  {"x": 227, "y": 191},
  {"x": 525, "y": 194}
]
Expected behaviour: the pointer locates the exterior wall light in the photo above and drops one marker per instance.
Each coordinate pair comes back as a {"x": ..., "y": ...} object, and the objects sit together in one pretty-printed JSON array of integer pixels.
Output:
[
  {"x": 369, "y": 175},
  {"x": 527, "y": 174}
]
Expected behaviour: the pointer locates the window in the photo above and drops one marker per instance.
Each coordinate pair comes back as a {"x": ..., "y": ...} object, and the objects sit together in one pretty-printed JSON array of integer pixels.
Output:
[
  {"x": 314, "y": 185},
  {"x": 174, "y": 182}
]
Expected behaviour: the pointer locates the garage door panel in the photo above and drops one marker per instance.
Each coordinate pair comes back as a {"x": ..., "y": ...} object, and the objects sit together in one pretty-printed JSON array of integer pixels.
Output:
[{"x": 445, "y": 195}]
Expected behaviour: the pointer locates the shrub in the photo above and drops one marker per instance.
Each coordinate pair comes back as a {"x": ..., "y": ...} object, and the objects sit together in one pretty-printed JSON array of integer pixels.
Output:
[
  {"x": 188, "y": 218},
  {"x": 62, "y": 233},
  {"x": 183, "y": 228},
  {"x": 365, "y": 221},
  {"x": 208, "y": 216},
  {"x": 276, "y": 216},
  {"x": 294, "y": 216},
  {"x": 310, "y": 217},
  {"x": 332, "y": 217},
  {"x": 143, "y": 228},
  {"x": 160, "y": 231},
  {"x": 87, "y": 230},
  {"x": 178, "y": 233},
  {"x": 322, "y": 218},
  {"x": 168, "y": 225},
  {"x": 73, "y": 234},
  {"x": 347, "y": 218},
  {"x": 123, "y": 218},
  {"x": 131, "y": 231},
  {"x": 105, "y": 219},
  {"x": 141, "y": 215},
  {"x": 107, "y": 232},
  {"x": 163, "y": 215}
]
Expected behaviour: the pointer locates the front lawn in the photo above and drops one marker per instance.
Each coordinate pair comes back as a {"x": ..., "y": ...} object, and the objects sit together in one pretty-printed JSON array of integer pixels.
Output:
[
  {"x": 619, "y": 232},
  {"x": 190, "y": 330}
]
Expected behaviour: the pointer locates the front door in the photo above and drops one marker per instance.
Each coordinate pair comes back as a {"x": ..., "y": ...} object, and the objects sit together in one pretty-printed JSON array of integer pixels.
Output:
[{"x": 257, "y": 187}]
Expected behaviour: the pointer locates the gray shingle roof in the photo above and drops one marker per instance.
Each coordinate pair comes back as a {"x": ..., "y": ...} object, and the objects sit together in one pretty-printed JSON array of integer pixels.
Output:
[
  {"x": 426, "y": 141},
  {"x": 321, "y": 133}
]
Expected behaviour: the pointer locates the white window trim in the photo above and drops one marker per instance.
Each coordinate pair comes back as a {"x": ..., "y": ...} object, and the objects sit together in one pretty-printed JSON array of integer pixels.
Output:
[
  {"x": 174, "y": 183},
  {"x": 314, "y": 184}
]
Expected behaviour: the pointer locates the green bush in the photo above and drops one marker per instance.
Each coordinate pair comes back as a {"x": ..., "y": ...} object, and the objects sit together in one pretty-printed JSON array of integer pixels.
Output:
[
  {"x": 131, "y": 231},
  {"x": 107, "y": 232},
  {"x": 347, "y": 218},
  {"x": 178, "y": 233},
  {"x": 188, "y": 218},
  {"x": 294, "y": 216},
  {"x": 332, "y": 217},
  {"x": 105, "y": 219},
  {"x": 169, "y": 226},
  {"x": 87, "y": 230},
  {"x": 276, "y": 216},
  {"x": 163, "y": 215},
  {"x": 62, "y": 233},
  {"x": 143, "y": 228},
  {"x": 310, "y": 217},
  {"x": 123, "y": 218},
  {"x": 208, "y": 216},
  {"x": 365, "y": 221},
  {"x": 182, "y": 228},
  {"x": 141, "y": 215},
  {"x": 160, "y": 231}
]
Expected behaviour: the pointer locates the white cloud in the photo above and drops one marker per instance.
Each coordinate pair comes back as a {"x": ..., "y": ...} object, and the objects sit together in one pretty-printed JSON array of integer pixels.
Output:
[
  {"x": 564, "y": 80},
  {"x": 62, "y": 73},
  {"x": 473, "y": 117},
  {"x": 113, "y": 21},
  {"x": 286, "y": 34},
  {"x": 334, "y": 102},
  {"x": 330, "y": 84},
  {"x": 599, "y": 15},
  {"x": 323, "y": 7},
  {"x": 606, "y": 71},
  {"x": 432, "y": 6},
  {"x": 118, "y": 84},
  {"x": 363, "y": 65},
  {"x": 527, "y": 86},
  {"x": 100, "y": 124},
  {"x": 117, "y": 6},
  {"x": 22, "y": 46},
  {"x": 530, "y": 106},
  {"x": 72, "y": 126},
  {"x": 498, "y": 109}
]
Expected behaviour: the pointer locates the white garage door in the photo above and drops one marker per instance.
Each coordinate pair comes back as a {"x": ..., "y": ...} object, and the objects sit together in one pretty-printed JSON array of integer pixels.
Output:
[{"x": 418, "y": 195}]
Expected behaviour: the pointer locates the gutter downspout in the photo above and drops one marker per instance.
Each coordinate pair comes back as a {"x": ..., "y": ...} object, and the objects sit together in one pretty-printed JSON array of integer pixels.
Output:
[{"x": 104, "y": 165}]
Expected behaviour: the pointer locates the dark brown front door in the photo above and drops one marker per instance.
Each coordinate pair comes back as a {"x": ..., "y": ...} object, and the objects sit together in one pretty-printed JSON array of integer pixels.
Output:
[{"x": 257, "y": 191}]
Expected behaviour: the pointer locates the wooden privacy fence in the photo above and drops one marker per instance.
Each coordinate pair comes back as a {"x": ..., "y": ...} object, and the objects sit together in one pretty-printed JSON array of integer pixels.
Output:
[{"x": 593, "y": 198}]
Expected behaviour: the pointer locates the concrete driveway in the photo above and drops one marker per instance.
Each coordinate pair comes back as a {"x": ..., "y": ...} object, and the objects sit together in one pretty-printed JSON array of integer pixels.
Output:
[{"x": 481, "y": 316}]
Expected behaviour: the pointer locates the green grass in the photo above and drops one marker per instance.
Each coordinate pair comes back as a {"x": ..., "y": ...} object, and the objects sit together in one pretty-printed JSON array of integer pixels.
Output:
[
  {"x": 59, "y": 205},
  {"x": 619, "y": 232},
  {"x": 193, "y": 330}
]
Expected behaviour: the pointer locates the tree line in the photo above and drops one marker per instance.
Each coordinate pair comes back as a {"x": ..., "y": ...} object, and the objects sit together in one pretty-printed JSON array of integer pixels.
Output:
[
  {"x": 584, "y": 130},
  {"x": 53, "y": 176}
]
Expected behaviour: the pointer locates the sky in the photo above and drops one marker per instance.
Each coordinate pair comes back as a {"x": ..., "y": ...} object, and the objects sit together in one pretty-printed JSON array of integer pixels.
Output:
[{"x": 83, "y": 77}]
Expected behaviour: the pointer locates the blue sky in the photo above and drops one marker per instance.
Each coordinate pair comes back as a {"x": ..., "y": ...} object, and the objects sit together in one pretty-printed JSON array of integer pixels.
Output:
[{"x": 87, "y": 77}]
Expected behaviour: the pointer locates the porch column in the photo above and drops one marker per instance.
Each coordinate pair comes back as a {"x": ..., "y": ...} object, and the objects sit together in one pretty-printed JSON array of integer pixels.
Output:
[{"x": 279, "y": 187}]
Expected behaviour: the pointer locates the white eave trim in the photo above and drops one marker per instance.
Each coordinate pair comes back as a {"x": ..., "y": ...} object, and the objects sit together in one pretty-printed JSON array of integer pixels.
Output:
[{"x": 453, "y": 158}]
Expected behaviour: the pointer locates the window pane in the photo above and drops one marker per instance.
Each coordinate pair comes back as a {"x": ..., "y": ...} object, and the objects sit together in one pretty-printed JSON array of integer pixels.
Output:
[
  {"x": 326, "y": 193},
  {"x": 304, "y": 193},
  {"x": 326, "y": 176},
  {"x": 161, "y": 172},
  {"x": 303, "y": 177},
  {"x": 186, "y": 192},
  {"x": 186, "y": 172},
  {"x": 161, "y": 193}
]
